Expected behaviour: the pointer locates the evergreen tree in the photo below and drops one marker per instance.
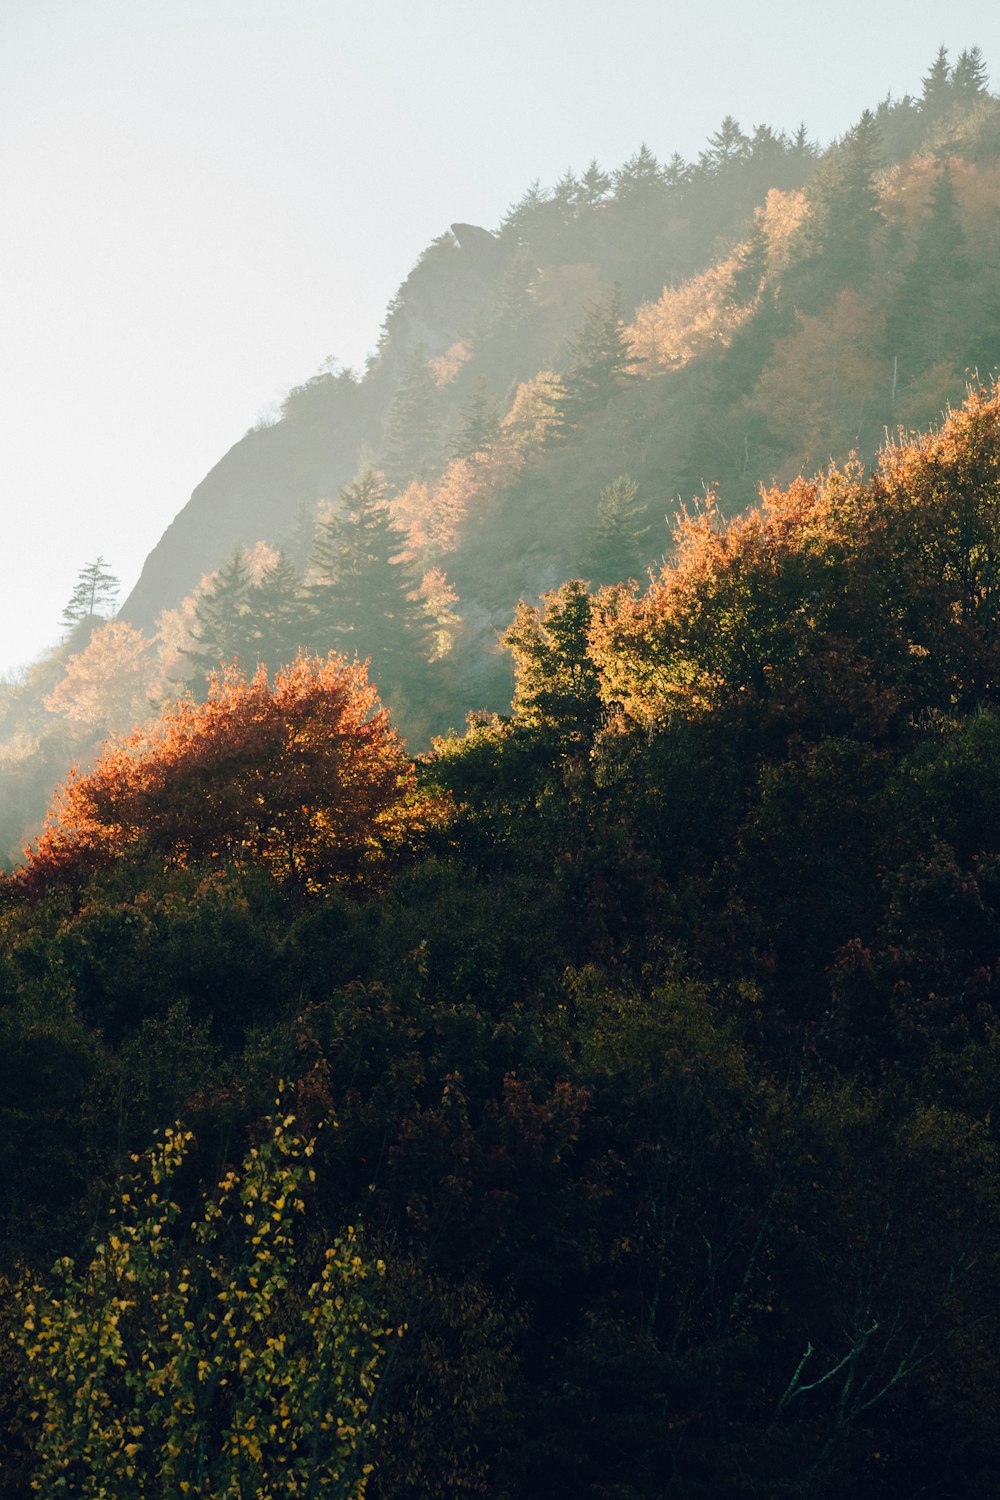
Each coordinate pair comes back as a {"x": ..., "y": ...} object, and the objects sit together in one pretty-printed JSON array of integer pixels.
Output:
[
  {"x": 834, "y": 247},
  {"x": 751, "y": 268},
  {"x": 412, "y": 441},
  {"x": 363, "y": 592},
  {"x": 600, "y": 358},
  {"x": 96, "y": 593},
  {"x": 640, "y": 179},
  {"x": 726, "y": 146},
  {"x": 595, "y": 185},
  {"x": 520, "y": 222},
  {"x": 924, "y": 320},
  {"x": 479, "y": 423},
  {"x": 969, "y": 78},
  {"x": 937, "y": 93},
  {"x": 677, "y": 172},
  {"x": 225, "y": 629},
  {"x": 281, "y": 612},
  {"x": 617, "y": 547}
]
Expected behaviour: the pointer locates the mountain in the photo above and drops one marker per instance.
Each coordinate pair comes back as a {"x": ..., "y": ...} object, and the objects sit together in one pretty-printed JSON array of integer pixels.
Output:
[
  {"x": 601, "y": 1101},
  {"x": 544, "y": 398},
  {"x": 671, "y": 328}
]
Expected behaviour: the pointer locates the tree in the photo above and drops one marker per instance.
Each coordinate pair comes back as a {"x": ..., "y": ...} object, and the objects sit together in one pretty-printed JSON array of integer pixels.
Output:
[
  {"x": 224, "y": 628},
  {"x": 969, "y": 78},
  {"x": 925, "y": 319},
  {"x": 555, "y": 680},
  {"x": 937, "y": 95},
  {"x": 600, "y": 357},
  {"x": 618, "y": 537},
  {"x": 594, "y": 185},
  {"x": 198, "y": 1359},
  {"x": 412, "y": 442},
  {"x": 281, "y": 611},
  {"x": 639, "y": 180},
  {"x": 306, "y": 780},
  {"x": 726, "y": 147},
  {"x": 95, "y": 593},
  {"x": 479, "y": 423},
  {"x": 108, "y": 687},
  {"x": 834, "y": 246},
  {"x": 363, "y": 592}
]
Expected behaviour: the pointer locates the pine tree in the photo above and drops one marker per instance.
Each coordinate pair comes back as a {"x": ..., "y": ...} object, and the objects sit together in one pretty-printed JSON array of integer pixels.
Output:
[
  {"x": 479, "y": 423},
  {"x": 600, "y": 358},
  {"x": 96, "y": 593},
  {"x": 677, "y": 172},
  {"x": 640, "y": 179},
  {"x": 834, "y": 247},
  {"x": 923, "y": 319},
  {"x": 751, "y": 266},
  {"x": 594, "y": 185},
  {"x": 225, "y": 629},
  {"x": 412, "y": 441},
  {"x": 521, "y": 221},
  {"x": 617, "y": 547},
  {"x": 362, "y": 591},
  {"x": 726, "y": 146},
  {"x": 281, "y": 613},
  {"x": 937, "y": 93},
  {"x": 969, "y": 79}
]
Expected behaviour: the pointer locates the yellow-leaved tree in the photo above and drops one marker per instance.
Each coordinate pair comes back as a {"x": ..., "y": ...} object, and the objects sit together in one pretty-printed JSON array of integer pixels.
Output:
[{"x": 203, "y": 1358}]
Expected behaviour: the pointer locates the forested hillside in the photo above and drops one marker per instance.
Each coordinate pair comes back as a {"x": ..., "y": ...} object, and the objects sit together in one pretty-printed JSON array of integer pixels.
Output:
[
  {"x": 544, "y": 397},
  {"x": 596, "y": 1100}
]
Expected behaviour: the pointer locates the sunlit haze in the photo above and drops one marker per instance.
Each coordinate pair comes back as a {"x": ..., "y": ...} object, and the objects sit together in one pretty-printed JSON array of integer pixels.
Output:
[{"x": 206, "y": 199}]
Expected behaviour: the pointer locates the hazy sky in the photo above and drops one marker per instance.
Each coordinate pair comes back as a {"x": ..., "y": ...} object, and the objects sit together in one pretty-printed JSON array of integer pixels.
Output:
[{"x": 203, "y": 199}]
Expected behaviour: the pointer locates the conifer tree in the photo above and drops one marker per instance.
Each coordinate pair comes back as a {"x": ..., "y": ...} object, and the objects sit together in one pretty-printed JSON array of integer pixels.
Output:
[
  {"x": 937, "y": 93},
  {"x": 726, "y": 146},
  {"x": 834, "y": 247},
  {"x": 411, "y": 446},
  {"x": 362, "y": 590},
  {"x": 600, "y": 358},
  {"x": 923, "y": 319},
  {"x": 617, "y": 548},
  {"x": 281, "y": 612},
  {"x": 95, "y": 593},
  {"x": 969, "y": 78},
  {"x": 594, "y": 185},
  {"x": 640, "y": 179},
  {"x": 225, "y": 629},
  {"x": 479, "y": 423}
]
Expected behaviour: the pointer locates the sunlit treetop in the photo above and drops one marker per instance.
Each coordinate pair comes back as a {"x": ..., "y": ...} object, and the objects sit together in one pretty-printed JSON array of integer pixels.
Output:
[{"x": 305, "y": 779}]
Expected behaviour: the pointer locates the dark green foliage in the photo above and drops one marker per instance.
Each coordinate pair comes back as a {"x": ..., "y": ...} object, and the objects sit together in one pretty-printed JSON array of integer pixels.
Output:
[
  {"x": 619, "y": 547},
  {"x": 927, "y": 318},
  {"x": 362, "y": 590},
  {"x": 665, "y": 1082},
  {"x": 599, "y": 361},
  {"x": 226, "y": 628},
  {"x": 936, "y": 97},
  {"x": 411, "y": 447},
  {"x": 835, "y": 247},
  {"x": 479, "y": 423},
  {"x": 281, "y": 612}
]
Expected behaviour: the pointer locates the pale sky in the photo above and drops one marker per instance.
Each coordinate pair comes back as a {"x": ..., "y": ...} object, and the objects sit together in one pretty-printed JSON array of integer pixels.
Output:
[{"x": 202, "y": 200}]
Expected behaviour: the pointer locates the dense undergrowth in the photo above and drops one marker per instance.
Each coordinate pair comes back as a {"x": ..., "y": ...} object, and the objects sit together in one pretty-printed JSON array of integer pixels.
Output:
[{"x": 656, "y": 1050}]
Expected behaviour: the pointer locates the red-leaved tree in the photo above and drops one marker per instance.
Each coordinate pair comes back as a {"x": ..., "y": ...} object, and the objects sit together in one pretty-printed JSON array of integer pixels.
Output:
[{"x": 305, "y": 779}]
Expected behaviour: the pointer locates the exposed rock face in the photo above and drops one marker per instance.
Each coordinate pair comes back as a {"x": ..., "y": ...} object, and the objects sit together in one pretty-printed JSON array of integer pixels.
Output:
[{"x": 258, "y": 489}]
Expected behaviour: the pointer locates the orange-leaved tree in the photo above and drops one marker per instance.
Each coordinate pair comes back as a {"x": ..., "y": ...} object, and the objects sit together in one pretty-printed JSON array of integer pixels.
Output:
[
  {"x": 305, "y": 779},
  {"x": 841, "y": 605}
]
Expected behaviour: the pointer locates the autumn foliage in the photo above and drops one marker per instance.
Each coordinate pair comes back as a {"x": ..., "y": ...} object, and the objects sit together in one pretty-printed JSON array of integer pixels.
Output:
[
  {"x": 305, "y": 779},
  {"x": 835, "y": 605}
]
